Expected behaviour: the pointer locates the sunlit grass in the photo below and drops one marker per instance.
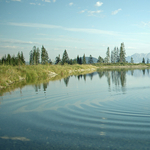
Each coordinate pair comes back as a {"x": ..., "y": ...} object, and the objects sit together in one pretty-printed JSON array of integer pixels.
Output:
[{"x": 11, "y": 74}]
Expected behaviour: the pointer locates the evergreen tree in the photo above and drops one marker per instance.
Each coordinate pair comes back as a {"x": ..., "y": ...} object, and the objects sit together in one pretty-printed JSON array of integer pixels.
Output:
[
  {"x": 108, "y": 55},
  {"x": 115, "y": 55},
  {"x": 143, "y": 61},
  {"x": 90, "y": 61},
  {"x": 78, "y": 59},
  {"x": 37, "y": 56},
  {"x": 74, "y": 61},
  {"x": 57, "y": 59},
  {"x": 44, "y": 56},
  {"x": 22, "y": 58},
  {"x": 112, "y": 57},
  {"x": 118, "y": 55},
  {"x": 31, "y": 58},
  {"x": 19, "y": 59},
  {"x": 84, "y": 59},
  {"x": 122, "y": 53},
  {"x": 100, "y": 60},
  {"x": 65, "y": 58},
  {"x": 132, "y": 61},
  {"x": 147, "y": 60}
]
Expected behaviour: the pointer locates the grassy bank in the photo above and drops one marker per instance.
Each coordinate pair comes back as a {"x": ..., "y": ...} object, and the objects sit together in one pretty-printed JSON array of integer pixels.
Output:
[
  {"x": 39, "y": 73},
  {"x": 28, "y": 73}
]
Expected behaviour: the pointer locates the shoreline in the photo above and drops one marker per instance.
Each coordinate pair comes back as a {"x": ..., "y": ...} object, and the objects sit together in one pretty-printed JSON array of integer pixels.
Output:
[{"x": 15, "y": 74}]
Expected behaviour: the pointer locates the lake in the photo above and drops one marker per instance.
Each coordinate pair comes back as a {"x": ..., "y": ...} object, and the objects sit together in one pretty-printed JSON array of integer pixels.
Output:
[{"x": 108, "y": 109}]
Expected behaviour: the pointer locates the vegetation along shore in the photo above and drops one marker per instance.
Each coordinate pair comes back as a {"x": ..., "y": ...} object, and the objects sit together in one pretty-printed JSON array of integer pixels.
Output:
[{"x": 15, "y": 69}]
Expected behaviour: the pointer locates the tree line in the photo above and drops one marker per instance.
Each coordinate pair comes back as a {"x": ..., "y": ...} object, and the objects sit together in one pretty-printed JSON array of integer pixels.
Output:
[
  {"x": 13, "y": 60},
  {"x": 37, "y": 56}
]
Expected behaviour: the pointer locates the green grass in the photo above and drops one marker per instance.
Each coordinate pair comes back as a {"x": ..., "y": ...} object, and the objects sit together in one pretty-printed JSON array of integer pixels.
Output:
[{"x": 32, "y": 73}]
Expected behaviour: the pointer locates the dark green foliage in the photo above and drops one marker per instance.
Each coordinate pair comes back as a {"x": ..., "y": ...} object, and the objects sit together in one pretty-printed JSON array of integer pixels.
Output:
[
  {"x": 100, "y": 59},
  {"x": 90, "y": 61},
  {"x": 44, "y": 56},
  {"x": 65, "y": 58},
  {"x": 78, "y": 59},
  {"x": 84, "y": 59},
  {"x": 143, "y": 61},
  {"x": 57, "y": 59},
  {"x": 122, "y": 53},
  {"x": 12, "y": 60},
  {"x": 107, "y": 56},
  {"x": 71, "y": 62}
]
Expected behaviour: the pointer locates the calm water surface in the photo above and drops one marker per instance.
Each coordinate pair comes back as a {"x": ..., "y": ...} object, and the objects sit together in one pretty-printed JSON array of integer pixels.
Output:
[{"x": 102, "y": 110}]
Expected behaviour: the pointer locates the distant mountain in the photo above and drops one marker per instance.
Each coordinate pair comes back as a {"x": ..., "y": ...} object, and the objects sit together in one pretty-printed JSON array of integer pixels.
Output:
[{"x": 138, "y": 57}]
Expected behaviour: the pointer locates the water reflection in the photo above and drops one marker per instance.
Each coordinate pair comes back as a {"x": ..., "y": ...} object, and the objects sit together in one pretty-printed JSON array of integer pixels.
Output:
[
  {"x": 37, "y": 87},
  {"x": 115, "y": 78},
  {"x": 66, "y": 80}
]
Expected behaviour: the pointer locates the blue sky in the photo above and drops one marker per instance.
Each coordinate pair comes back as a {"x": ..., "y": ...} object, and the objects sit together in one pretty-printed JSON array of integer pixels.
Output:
[{"x": 79, "y": 26}]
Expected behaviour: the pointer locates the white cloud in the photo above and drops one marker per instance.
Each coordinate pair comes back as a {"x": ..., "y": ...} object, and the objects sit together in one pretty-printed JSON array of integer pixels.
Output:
[
  {"x": 116, "y": 11},
  {"x": 54, "y": 1},
  {"x": 71, "y": 4},
  {"x": 98, "y": 4},
  {"x": 91, "y": 31}
]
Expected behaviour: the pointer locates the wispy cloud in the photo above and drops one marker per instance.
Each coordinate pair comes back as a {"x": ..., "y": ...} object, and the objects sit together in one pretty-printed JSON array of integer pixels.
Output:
[
  {"x": 116, "y": 11},
  {"x": 94, "y": 13},
  {"x": 54, "y": 1},
  {"x": 85, "y": 30},
  {"x": 98, "y": 4},
  {"x": 12, "y": 41},
  {"x": 71, "y": 4},
  {"x": 16, "y": 0}
]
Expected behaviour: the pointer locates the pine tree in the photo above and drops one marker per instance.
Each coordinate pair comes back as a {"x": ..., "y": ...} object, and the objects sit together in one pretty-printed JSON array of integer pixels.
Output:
[
  {"x": 122, "y": 53},
  {"x": 84, "y": 59},
  {"x": 147, "y": 60},
  {"x": 108, "y": 55},
  {"x": 31, "y": 58},
  {"x": 57, "y": 59},
  {"x": 118, "y": 55},
  {"x": 78, "y": 59},
  {"x": 37, "y": 56},
  {"x": 100, "y": 60},
  {"x": 143, "y": 61},
  {"x": 44, "y": 56},
  {"x": 65, "y": 58},
  {"x": 112, "y": 57},
  {"x": 22, "y": 58},
  {"x": 90, "y": 61},
  {"x": 132, "y": 61}
]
